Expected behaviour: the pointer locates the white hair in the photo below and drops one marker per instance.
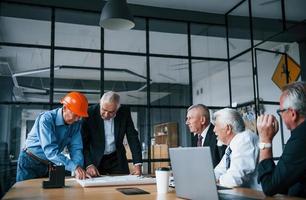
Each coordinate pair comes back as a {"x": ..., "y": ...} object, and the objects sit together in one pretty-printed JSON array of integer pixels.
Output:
[
  {"x": 204, "y": 110},
  {"x": 110, "y": 97},
  {"x": 295, "y": 97},
  {"x": 228, "y": 116}
]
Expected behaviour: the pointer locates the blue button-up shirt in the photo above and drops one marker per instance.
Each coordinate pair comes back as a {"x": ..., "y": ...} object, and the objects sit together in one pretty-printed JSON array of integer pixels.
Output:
[{"x": 50, "y": 135}]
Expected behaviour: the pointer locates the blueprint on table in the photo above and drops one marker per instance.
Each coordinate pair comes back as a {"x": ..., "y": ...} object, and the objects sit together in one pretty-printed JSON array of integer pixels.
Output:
[{"x": 116, "y": 180}]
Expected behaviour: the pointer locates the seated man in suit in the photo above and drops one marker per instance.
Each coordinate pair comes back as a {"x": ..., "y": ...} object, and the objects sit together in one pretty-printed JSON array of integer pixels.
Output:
[
  {"x": 238, "y": 165},
  {"x": 103, "y": 133},
  {"x": 198, "y": 121},
  {"x": 289, "y": 175}
]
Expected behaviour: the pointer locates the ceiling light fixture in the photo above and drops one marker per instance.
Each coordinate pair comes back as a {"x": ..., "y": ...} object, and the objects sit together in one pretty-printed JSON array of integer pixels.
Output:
[{"x": 116, "y": 16}]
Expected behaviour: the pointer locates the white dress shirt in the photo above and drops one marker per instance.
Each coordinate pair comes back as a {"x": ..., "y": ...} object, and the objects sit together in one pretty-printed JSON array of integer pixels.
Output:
[
  {"x": 110, "y": 145},
  {"x": 243, "y": 162}
]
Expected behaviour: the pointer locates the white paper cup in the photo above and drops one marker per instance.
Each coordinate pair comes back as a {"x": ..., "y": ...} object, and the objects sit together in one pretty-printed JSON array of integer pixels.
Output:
[{"x": 162, "y": 180}]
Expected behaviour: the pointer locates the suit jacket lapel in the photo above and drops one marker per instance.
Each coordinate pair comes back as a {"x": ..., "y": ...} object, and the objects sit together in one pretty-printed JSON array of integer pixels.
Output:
[
  {"x": 101, "y": 131},
  {"x": 208, "y": 136},
  {"x": 194, "y": 140},
  {"x": 116, "y": 127}
]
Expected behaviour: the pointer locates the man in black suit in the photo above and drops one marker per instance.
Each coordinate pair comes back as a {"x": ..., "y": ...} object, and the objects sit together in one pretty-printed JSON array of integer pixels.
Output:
[
  {"x": 103, "y": 133},
  {"x": 289, "y": 175},
  {"x": 198, "y": 121}
]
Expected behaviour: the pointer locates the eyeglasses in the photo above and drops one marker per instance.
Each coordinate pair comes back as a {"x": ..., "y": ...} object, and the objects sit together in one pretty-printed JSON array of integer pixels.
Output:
[{"x": 279, "y": 111}]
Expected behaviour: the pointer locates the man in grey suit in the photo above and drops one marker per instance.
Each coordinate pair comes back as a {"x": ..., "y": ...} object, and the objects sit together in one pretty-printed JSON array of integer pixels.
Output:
[
  {"x": 198, "y": 121},
  {"x": 103, "y": 133}
]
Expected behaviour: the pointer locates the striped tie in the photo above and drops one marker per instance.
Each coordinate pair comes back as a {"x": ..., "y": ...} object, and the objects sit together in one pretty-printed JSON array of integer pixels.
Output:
[
  {"x": 228, "y": 157},
  {"x": 199, "y": 142}
]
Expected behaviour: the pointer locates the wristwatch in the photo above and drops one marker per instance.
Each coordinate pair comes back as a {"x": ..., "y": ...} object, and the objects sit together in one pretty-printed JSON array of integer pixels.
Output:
[{"x": 263, "y": 145}]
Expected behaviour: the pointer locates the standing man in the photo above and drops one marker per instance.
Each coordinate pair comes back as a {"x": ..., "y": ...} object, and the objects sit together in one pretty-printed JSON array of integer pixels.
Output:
[
  {"x": 198, "y": 121},
  {"x": 238, "y": 165},
  {"x": 103, "y": 133},
  {"x": 52, "y": 131},
  {"x": 289, "y": 175}
]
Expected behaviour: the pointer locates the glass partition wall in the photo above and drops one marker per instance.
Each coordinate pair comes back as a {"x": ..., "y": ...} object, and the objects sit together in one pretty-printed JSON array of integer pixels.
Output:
[
  {"x": 265, "y": 59},
  {"x": 159, "y": 68}
]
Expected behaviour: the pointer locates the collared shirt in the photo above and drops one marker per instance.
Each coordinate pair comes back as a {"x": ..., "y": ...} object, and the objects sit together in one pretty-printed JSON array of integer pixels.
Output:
[
  {"x": 243, "y": 162},
  {"x": 49, "y": 136},
  {"x": 110, "y": 145},
  {"x": 204, "y": 133}
]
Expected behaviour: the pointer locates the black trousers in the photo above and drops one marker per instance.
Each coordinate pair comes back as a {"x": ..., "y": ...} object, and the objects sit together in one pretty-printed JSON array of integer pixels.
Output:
[{"x": 110, "y": 165}]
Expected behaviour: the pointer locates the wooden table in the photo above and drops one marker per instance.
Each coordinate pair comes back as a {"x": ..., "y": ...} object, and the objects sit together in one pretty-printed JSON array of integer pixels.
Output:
[{"x": 31, "y": 189}]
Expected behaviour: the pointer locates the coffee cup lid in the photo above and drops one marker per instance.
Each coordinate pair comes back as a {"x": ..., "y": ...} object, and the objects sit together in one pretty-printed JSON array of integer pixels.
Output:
[{"x": 163, "y": 169}]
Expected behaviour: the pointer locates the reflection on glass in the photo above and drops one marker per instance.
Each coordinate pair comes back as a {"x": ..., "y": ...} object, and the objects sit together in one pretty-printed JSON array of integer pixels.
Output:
[
  {"x": 25, "y": 72},
  {"x": 210, "y": 83},
  {"x": 242, "y": 79},
  {"x": 267, "y": 19},
  {"x": 239, "y": 29},
  {"x": 74, "y": 58},
  {"x": 168, "y": 37},
  {"x": 21, "y": 119},
  {"x": 78, "y": 71},
  {"x": 208, "y": 41},
  {"x": 72, "y": 35},
  {"x": 266, "y": 65},
  {"x": 77, "y": 29},
  {"x": 16, "y": 122},
  {"x": 127, "y": 40},
  {"x": 18, "y": 24},
  {"x": 126, "y": 75},
  {"x": 295, "y": 12},
  {"x": 169, "y": 81}
]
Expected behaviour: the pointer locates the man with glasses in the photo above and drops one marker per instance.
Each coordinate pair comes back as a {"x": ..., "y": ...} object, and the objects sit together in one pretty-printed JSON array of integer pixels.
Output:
[
  {"x": 289, "y": 175},
  {"x": 103, "y": 133},
  {"x": 53, "y": 131}
]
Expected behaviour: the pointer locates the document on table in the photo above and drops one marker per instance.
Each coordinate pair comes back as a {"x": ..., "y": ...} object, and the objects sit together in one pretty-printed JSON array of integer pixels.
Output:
[{"x": 116, "y": 180}]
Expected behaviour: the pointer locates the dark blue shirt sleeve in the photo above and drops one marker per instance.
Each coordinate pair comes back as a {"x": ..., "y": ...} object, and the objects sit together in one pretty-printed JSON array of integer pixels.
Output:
[{"x": 285, "y": 176}]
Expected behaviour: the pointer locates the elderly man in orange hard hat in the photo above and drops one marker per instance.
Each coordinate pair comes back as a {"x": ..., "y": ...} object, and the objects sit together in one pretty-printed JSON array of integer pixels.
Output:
[{"x": 53, "y": 131}]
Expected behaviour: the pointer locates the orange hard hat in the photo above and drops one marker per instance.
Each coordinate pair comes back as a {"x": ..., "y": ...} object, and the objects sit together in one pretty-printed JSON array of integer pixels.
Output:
[{"x": 76, "y": 102}]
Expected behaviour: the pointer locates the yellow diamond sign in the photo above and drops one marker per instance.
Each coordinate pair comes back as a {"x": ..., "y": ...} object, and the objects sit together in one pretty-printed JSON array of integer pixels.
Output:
[{"x": 279, "y": 76}]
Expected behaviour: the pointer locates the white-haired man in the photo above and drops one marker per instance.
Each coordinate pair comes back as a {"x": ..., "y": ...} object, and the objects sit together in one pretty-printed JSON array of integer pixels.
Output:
[
  {"x": 238, "y": 165},
  {"x": 103, "y": 133},
  {"x": 289, "y": 175}
]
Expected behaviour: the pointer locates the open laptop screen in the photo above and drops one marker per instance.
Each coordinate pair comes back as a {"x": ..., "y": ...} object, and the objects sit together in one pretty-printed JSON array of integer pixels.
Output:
[{"x": 193, "y": 173}]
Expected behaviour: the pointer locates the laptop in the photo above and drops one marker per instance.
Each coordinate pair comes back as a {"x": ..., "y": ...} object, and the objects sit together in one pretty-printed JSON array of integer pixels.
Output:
[{"x": 194, "y": 174}]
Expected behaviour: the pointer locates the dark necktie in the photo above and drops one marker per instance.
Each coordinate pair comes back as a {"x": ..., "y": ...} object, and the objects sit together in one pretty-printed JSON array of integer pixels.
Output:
[
  {"x": 199, "y": 142},
  {"x": 228, "y": 157}
]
